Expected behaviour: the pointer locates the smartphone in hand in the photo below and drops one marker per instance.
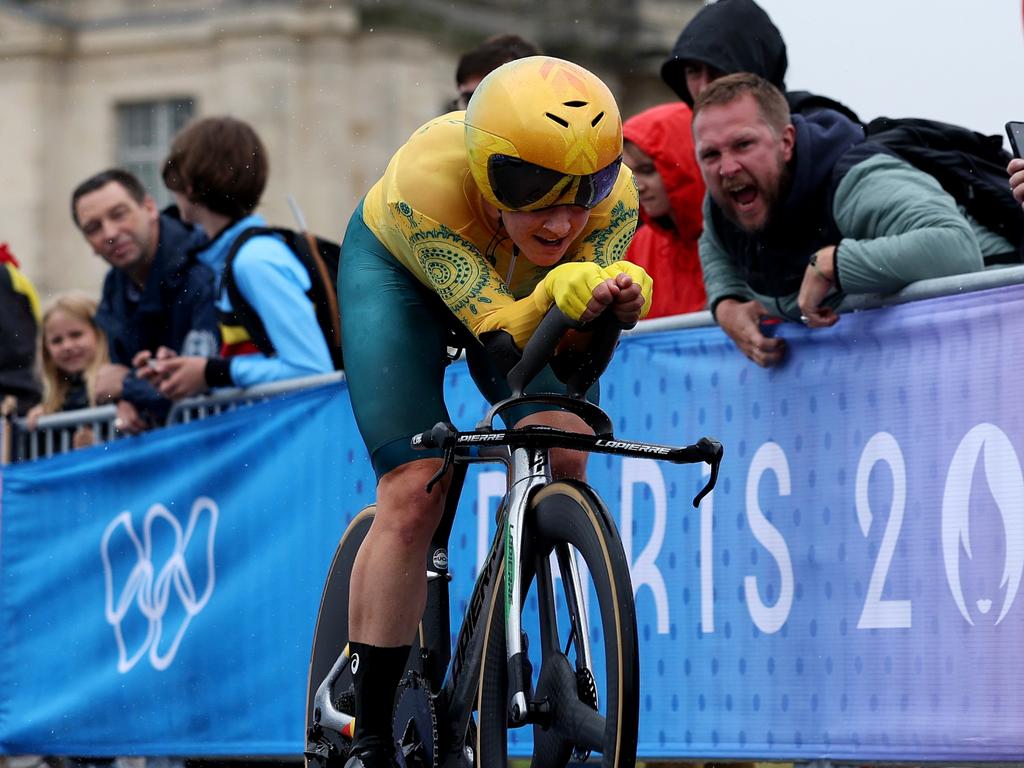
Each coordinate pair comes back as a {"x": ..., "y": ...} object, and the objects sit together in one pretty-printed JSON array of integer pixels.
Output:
[{"x": 1015, "y": 133}]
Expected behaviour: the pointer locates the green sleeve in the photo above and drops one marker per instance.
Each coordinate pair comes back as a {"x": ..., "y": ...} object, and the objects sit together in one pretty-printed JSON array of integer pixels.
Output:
[
  {"x": 721, "y": 277},
  {"x": 898, "y": 226}
]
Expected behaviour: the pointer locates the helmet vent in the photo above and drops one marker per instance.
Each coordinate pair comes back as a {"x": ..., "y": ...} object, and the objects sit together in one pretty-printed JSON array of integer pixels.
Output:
[
  {"x": 596, "y": 120},
  {"x": 557, "y": 119},
  {"x": 575, "y": 104}
]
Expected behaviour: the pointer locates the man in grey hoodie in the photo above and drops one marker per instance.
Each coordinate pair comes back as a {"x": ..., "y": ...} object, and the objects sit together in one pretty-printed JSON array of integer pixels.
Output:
[{"x": 801, "y": 212}]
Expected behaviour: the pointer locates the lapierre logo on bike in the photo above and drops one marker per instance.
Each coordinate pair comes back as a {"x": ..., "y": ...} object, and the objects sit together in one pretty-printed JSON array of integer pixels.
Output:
[
  {"x": 642, "y": 447},
  {"x": 494, "y": 437}
]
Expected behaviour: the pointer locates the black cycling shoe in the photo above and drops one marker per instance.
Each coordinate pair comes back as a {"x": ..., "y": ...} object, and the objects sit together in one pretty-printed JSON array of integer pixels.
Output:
[{"x": 372, "y": 753}]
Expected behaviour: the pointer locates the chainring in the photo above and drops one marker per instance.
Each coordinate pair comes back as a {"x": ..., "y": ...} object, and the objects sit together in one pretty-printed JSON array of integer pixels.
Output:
[{"x": 415, "y": 725}]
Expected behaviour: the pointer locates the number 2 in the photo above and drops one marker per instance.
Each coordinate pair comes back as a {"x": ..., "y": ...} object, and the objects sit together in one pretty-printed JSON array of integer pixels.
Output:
[{"x": 879, "y": 613}]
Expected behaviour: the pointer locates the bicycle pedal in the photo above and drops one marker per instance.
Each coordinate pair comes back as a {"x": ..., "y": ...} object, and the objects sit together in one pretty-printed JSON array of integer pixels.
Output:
[{"x": 321, "y": 753}]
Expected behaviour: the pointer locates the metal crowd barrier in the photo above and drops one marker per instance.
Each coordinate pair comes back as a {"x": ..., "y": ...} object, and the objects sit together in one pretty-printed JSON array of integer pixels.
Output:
[
  {"x": 994, "y": 277},
  {"x": 54, "y": 433},
  {"x": 224, "y": 400}
]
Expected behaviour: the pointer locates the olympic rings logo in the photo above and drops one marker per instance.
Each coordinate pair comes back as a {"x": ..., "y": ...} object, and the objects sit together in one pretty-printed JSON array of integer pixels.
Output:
[{"x": 150, "y": 589}]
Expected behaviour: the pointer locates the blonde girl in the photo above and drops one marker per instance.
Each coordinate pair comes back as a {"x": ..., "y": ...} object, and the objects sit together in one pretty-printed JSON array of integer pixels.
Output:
[{"x": 71, "y": 350}]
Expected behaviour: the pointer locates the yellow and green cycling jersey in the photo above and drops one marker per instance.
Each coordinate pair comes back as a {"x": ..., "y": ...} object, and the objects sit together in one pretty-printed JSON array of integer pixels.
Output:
[{"x": 426, "y": 210}]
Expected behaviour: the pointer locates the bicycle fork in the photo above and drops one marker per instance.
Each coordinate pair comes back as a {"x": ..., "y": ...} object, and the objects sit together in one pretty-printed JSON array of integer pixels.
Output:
[{"x": 534, "y": 471}]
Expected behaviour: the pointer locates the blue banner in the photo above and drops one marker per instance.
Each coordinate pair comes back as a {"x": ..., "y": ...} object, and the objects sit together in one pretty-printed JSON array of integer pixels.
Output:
[
  {"x": 159, "y": 593},
  {"x": 849, "y": 591}
]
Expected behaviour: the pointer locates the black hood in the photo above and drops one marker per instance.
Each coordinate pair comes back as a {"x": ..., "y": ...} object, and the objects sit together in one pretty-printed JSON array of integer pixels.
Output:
[
  {"x": 821, "y": 139},
  {"x": 731, "y": 36}
]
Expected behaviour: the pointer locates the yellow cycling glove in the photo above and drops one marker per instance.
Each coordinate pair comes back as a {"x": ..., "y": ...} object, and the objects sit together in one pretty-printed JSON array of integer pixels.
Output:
[
  {"x": 571, "y": 286},
  {"x": 639, "y": 276}
]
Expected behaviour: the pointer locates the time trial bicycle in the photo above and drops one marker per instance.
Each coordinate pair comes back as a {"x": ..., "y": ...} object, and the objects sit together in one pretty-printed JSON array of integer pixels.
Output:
[{"x": 575, "y": 683}]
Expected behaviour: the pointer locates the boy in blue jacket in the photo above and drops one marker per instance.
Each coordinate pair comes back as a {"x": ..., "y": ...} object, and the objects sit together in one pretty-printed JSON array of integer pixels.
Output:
[{"x": 217, "y": 169}]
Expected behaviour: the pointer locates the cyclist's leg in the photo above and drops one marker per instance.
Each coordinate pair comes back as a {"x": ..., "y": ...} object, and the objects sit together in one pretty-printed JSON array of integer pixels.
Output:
[{"x": 395, "y": 338}]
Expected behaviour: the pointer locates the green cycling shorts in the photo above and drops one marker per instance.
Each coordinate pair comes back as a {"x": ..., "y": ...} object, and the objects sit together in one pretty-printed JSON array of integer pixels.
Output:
[{"x": 395, "y": 336}]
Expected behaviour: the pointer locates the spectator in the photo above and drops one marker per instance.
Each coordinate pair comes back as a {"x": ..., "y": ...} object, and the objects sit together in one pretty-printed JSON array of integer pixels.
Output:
[
  {"x": 72, "y": 348},
  {"x": 798, "y": 215},
  {"x": 155, "y": 293},
  {"x": 1016, "y": 171},
  {"x": 735, "y": 36},
  {"x": 477, "y": 63},
  {"x": 217, "y": 169},
  {"x": 19, "y": 318},
  {"x": 658, "y": 148}
]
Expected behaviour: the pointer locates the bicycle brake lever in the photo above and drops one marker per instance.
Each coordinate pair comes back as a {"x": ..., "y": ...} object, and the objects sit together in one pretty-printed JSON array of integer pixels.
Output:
[
  {"x": 442, "y": 435},
  {"x": 449, "y": 456},
  {"x": 445, "y": 465},
  {"x": 716, "y": 450}
]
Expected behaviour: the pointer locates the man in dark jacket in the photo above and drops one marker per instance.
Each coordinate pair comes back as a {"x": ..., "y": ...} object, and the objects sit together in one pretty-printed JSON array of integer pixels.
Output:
[
  {"x": 155, "y": 294},
  {"x": 800, "y": 213},
  {"x": 735, "y": 36}
]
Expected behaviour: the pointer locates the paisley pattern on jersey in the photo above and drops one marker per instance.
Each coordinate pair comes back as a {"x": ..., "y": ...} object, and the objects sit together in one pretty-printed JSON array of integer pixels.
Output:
[
  {"x": 454, "y": 267},
  {"x": 610, "y": 242}
]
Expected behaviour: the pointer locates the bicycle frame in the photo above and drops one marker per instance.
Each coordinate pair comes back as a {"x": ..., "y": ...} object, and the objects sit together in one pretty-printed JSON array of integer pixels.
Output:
[
  {"x": 528, "y": 469},
  {"x": 525, "y": 453},
  {"x": 452, "y": 679}
]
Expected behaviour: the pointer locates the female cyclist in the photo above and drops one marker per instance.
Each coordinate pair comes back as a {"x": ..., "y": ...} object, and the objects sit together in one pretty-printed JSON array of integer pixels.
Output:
[{"x": 482, "y": 220}]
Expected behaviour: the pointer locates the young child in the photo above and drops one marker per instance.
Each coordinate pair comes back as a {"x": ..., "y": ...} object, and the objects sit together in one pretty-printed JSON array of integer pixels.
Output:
[{"x": 71, "y": 350}]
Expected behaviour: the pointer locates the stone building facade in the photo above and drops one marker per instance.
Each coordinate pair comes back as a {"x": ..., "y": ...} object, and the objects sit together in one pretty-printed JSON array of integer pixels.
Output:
[{"x": 332, "y": 87}]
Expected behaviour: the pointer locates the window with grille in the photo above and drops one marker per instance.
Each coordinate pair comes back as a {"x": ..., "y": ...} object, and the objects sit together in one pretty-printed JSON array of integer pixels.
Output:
[{"x": 144, "y": 133}]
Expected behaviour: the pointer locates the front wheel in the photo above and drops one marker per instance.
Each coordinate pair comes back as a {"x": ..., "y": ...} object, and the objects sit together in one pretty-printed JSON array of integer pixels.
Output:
[{"x": 586, "y": 688}]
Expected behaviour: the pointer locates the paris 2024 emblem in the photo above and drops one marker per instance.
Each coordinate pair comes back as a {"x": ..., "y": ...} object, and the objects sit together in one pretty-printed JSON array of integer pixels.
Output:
[{"x": 1001, "y": 470}]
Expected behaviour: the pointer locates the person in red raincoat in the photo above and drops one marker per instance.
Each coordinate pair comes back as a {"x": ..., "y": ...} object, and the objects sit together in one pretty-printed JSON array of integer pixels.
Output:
[{"x": 658, "y": 148}]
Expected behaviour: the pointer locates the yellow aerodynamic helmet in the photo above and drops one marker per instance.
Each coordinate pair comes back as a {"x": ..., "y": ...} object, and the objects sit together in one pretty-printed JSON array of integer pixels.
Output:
[{"x": 541, "y": 131}]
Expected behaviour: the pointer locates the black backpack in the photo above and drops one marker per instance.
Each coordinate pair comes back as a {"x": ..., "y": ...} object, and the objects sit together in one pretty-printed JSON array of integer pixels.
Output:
[
  {"x": 970, "y": 166},
  {"x": 322, "y": 266}
]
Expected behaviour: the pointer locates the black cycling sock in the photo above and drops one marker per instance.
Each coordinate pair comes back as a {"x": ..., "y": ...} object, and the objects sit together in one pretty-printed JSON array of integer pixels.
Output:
[{"x": 376, "y": 672}]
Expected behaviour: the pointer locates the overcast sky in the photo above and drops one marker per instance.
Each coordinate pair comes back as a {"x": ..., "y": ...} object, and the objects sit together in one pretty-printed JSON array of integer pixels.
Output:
[{"x": 961, "y": 61}]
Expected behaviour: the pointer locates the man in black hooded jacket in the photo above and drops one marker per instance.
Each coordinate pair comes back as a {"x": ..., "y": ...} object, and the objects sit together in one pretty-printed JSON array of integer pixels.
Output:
[
  {"x": 736, "y": 36},
  {"x": 156, "y": 293}
]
